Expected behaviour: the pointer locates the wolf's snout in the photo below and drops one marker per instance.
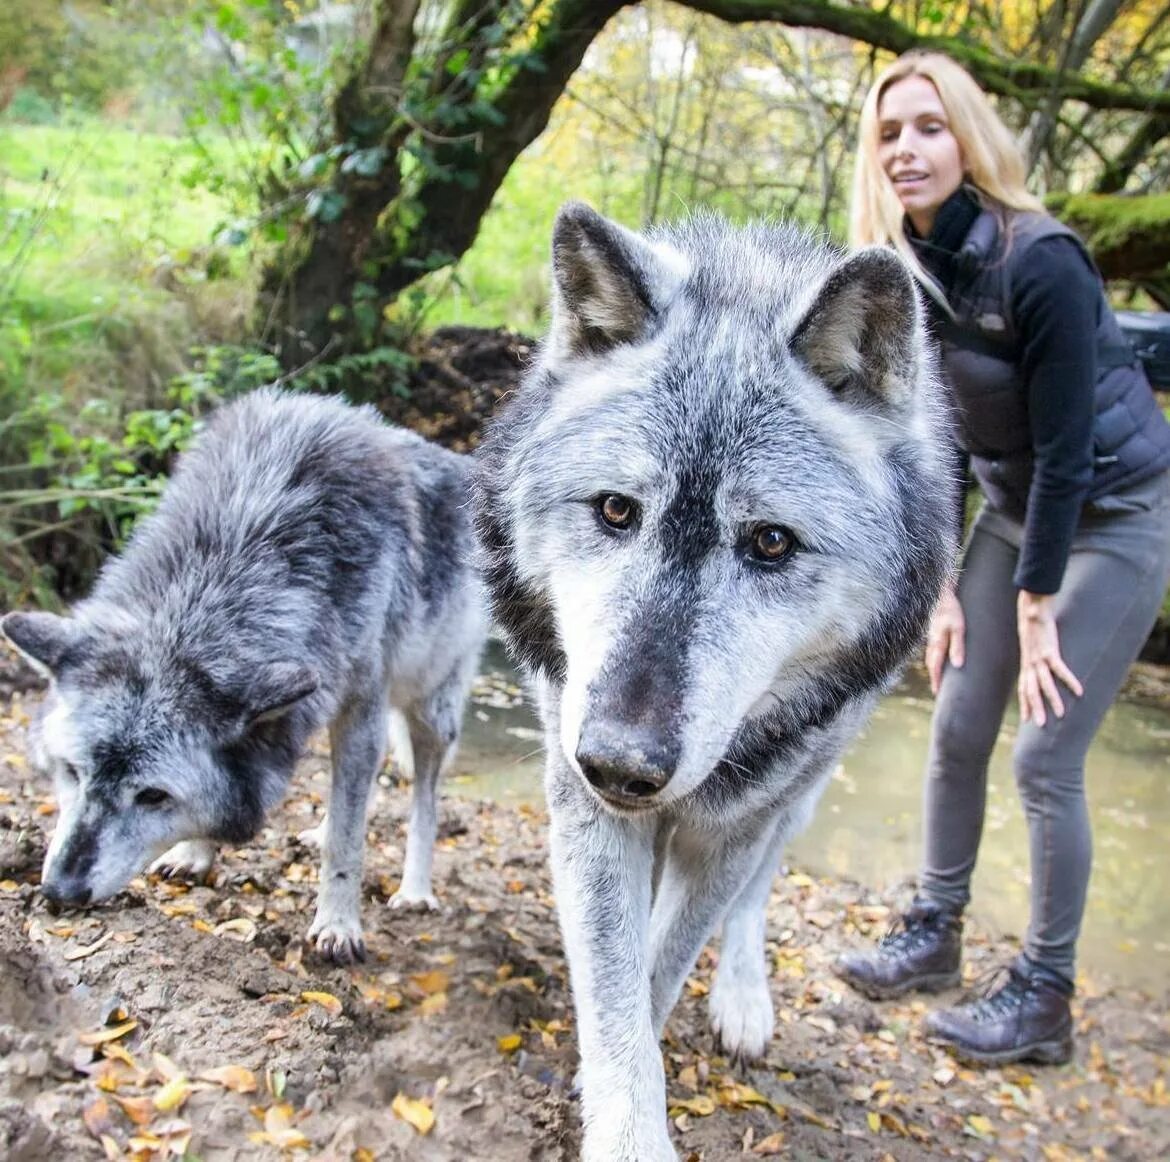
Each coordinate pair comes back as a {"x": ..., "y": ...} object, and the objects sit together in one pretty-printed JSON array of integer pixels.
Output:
[
  {"x": 626, "y": 766},
  {"x": 67, "y": 892}
]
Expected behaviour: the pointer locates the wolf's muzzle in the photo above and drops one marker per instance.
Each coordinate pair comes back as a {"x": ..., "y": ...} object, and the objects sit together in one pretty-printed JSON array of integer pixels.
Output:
[
  {"x": 623, "y": 764},
  {"x": 67, "y": 891}
]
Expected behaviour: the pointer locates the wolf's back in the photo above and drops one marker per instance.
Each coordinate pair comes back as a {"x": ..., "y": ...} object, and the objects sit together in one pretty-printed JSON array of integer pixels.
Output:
[{"x": 293, "y": 518}]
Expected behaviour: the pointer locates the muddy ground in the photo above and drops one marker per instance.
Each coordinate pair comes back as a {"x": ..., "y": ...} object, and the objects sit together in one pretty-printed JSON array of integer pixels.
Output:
[{"x": 190, "y": 1021}]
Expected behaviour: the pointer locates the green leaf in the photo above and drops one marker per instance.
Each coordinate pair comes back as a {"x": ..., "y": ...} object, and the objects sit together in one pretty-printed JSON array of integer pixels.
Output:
[
  {"x": 366, "y": 163},
  {"x": 325, "y": 205},
  {"x": 457, "y": 61}
]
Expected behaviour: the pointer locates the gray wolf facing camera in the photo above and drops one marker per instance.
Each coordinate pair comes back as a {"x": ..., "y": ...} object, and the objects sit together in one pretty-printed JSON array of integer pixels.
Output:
[
  {"x": 307, "y": 566},
  {"x": 714, "y": 522}
]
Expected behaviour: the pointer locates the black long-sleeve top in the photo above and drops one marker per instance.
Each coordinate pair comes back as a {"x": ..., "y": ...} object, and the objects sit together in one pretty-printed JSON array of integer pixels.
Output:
[{"x": 1055, "y": 299}]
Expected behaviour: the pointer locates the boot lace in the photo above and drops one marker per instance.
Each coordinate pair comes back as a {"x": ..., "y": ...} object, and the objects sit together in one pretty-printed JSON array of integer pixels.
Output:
[
  {"x": 1003, "y": 989},
  {"x": 909, "y": 932}
]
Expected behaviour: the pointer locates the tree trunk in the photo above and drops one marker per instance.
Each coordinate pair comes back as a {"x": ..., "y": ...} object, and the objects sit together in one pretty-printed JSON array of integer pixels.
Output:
[
  {"x": 1128, "y": 236},
  {"x": 445, "y": 151}
]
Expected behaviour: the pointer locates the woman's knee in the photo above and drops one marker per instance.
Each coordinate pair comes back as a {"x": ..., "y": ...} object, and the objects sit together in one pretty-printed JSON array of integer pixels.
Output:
[
  {"x": 963, "y": 732},
  {"x": 1043, "y": 772}
]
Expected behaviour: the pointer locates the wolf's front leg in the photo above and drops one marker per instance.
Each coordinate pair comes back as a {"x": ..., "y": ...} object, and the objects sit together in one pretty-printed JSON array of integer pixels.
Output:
[
  {"x": 703, "y": 870},
  {"x": 358, "y": 744},
  {"x": 601, "y": 870}
]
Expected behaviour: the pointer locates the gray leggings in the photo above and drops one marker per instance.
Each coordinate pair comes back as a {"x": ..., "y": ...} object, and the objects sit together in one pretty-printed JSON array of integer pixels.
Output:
[{"x": 1113, "y": 586}]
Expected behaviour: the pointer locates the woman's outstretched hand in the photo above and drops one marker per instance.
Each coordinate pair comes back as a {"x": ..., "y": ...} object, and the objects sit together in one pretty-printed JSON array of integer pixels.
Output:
[
  {"x": 946, "y": 637},
  {"x": 1041, "y": 665}
]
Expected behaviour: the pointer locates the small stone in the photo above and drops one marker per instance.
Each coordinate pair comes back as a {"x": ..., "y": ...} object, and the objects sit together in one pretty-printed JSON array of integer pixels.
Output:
[{"x": 37, "y": 1063}]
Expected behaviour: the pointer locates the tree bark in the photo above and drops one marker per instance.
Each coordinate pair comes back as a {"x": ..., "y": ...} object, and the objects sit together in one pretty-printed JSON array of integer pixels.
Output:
[
  {"x": 1026, "y": 81},
  {"x": 1128, "y": 236},
  {"x": 411, "y": 217}
]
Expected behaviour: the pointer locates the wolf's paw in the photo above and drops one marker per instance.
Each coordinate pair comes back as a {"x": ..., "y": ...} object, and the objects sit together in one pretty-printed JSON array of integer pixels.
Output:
[
  {"x": 190, "y": 859},
  {"x": 408, "y": 901},
  {"x": 312, "y": 836},
  {"x": 742, "y": 1018},
  {"x": 339, "y": 941},
  {"x": 628, "y": 1144}
]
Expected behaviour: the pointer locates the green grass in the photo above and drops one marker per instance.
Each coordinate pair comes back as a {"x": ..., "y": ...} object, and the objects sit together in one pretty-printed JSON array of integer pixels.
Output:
[{"x": 92, "y": 217}]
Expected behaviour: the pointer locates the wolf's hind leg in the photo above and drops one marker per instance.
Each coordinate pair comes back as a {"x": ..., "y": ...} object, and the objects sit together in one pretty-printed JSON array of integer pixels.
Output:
[
  {"x": 398, "y": 737},
  {"x": 434, "y": 739},
  {"x": 358, "y": 743},
  {"x": 191, "y": 859}
]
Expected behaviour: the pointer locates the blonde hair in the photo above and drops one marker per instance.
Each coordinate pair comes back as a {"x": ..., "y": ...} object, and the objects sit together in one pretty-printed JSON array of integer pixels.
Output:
[{"x": 992, "y": 159}]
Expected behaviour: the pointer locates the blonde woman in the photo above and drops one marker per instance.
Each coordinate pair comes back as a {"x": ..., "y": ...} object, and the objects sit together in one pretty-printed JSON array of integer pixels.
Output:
[{"x": 1068, "y": 559}]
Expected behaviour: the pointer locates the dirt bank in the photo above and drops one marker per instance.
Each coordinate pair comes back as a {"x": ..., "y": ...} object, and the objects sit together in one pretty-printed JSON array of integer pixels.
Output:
[{"x": 189, "y": 1021}]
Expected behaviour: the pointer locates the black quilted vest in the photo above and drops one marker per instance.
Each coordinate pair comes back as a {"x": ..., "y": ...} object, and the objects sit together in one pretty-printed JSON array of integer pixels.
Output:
[{"x": 981, "y": 354}]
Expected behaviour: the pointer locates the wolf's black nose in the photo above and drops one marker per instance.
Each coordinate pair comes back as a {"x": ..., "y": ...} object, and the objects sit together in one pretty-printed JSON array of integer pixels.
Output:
[
  {"x": 67, "y": 892},
  {"x": 623, "y": 767}
]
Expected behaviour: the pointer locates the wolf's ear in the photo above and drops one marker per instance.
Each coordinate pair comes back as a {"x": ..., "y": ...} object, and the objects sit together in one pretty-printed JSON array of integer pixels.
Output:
[
  {"x": 43, "y": 638},
  {"x": 861, "y": 336},
  {"x": 275, "y": 689},
  {"x": 609, "y": 283}
]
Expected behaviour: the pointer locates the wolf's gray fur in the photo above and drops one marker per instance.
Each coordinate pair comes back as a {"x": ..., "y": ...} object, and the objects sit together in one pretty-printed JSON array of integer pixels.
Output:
[
  {"x": 714, "y": 521},
  {"x": 307, "y": 566}
]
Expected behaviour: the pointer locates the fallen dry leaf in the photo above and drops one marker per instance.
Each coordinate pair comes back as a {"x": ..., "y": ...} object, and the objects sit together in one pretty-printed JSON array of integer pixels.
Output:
[
  {"x": 96, "y": 1117},
  {"x": 242, "y": 929},
  {"x": 140, "y": 1110},
  {"x": 510, "y": 1042},
  {"x": 435, "y": 1003},
  {"x": 172, "y": 1095},
  {"x": 735, "y": 1095},
  {"x": 112, "y": 1033},
  {"x": 327, "y": 1001},
  {"x": 435, "y": 981},
  {"x": 233, "y": 1077},
  {"x": 89, "y": 949},
  {"x": 979, "y": 1127},
  {"x": 701, "y": 1105},
  {"x": 771, "y": 1145},
  {"x": 279, "y": 1130},
  {"x": 417, "y": 1113},
  {"x": 120, "y": 1053}
]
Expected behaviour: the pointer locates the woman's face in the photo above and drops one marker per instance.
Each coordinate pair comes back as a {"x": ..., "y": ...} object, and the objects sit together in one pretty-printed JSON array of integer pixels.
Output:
[{"x": 917, "y": 150}]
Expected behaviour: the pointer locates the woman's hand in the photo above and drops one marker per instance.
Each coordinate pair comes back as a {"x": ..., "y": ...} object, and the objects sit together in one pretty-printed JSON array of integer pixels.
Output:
[
  {"x": 946, "y": 637},
  {"x": 1040, "y": 661}
]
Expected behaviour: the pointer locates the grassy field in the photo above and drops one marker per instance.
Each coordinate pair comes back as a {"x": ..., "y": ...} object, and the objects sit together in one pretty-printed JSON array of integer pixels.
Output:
[
  {"x": 98, "y": 226},
  {"x": 93, "y": 219}
]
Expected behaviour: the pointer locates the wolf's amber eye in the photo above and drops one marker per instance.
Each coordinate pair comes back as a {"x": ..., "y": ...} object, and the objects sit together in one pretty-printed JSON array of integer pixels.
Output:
[
  {"x": 772, "y": 543},
  {"x": 617, "y": 511},
  {"x": 151, "y": 797}
]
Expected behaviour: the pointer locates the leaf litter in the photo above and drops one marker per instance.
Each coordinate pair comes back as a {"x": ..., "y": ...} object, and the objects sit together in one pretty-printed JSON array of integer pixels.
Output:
[{"x": 187, "y": 1021}]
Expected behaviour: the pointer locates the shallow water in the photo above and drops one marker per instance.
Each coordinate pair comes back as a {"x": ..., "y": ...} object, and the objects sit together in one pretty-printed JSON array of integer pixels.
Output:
[{"x": 867, "y": 826}]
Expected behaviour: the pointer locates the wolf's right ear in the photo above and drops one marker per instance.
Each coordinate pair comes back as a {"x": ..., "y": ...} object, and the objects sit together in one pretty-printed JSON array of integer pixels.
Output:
[
  {"x": 609, "y": 283},
  {"x": 276, "y": 689},
  {"x": 43, "y": 638},
  {"x": 861, "y": 336}
]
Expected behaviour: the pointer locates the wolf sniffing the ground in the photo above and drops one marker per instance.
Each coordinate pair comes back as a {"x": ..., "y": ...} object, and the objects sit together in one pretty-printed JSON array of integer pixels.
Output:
[
  {"x": 308, "y": 566},
  {"x": 714, "y": 521}
]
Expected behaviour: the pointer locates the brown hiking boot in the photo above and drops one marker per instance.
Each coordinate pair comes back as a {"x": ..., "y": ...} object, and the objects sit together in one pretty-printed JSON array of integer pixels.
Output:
[
  {"x": 920, "y": 952},
  {"x": 1024, "y": 1016}
]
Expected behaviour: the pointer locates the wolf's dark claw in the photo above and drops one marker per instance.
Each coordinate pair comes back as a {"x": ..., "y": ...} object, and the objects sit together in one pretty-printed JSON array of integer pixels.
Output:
[{"x": 341, "y": 948}]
